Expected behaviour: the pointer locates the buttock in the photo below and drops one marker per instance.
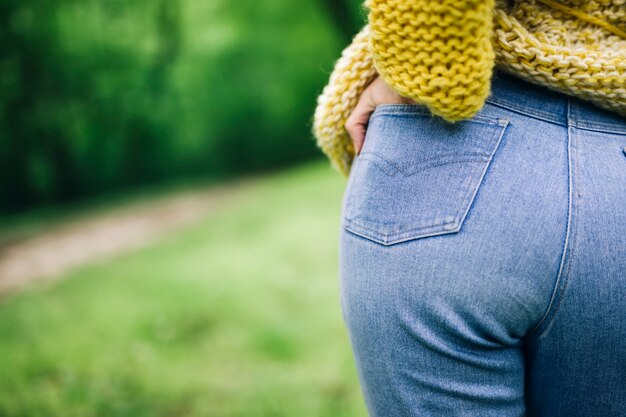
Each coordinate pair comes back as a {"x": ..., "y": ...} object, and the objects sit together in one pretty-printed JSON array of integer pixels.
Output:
[
  {"x": 481, "y": 251},
  {"x": 450, "y": 244},
  {"x": 473, "y": 212}
]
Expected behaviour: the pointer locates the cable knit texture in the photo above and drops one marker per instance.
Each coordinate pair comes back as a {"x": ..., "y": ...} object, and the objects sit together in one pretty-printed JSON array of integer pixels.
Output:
[{"x": 441, "y": 54}]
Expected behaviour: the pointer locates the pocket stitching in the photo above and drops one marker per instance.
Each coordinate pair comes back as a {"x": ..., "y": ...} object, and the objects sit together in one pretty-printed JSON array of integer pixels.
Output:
[
  {"x": 388, "y": 239},
  {"x": 374, "y": 157}
]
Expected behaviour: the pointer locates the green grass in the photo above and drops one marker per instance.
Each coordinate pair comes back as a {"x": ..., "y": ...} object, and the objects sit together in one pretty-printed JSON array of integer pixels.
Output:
[{"x": 236, "y": 316}]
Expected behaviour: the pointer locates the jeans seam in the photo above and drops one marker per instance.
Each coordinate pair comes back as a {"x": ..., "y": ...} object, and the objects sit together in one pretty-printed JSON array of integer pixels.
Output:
[
  {"x": 407, "y": 110},
  {"x": 544, "y": 324},
  {"x": 525, "y": 111},
  {"x": 600, "y": 127}
]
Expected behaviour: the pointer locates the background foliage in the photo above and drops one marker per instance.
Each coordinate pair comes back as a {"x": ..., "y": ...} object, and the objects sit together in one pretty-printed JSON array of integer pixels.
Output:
[{"x": 103, "y": 95}]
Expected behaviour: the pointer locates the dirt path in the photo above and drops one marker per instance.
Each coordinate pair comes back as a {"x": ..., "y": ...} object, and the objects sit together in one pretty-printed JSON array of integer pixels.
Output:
[{"x": 52, "y": 253}]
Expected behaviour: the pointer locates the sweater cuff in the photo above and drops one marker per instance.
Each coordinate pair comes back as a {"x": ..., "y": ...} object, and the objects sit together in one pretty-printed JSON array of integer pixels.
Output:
[
  {"x": 437, "y": 53},
  {"x": 353, "y": 72}
]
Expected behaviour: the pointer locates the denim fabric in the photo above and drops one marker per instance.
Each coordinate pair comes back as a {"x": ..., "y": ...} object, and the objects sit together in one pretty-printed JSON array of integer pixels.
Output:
[{"x": 483, "y": 263}]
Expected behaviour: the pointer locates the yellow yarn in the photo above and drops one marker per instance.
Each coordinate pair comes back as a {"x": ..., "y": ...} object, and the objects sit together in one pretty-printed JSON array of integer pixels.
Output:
[
  {"x": 441, "y": 54},
  {"x": 435, "y": 52},
  {"x": 352, "y": 74},
  {"x": 584, "y": 16}
]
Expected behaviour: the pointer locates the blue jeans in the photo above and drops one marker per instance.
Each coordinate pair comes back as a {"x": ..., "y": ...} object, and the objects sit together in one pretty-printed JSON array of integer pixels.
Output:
[{"x": 483, "y": 263}]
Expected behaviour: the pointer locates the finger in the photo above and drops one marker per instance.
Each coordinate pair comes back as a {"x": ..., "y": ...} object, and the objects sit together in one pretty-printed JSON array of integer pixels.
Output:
[{"x": 356, "y": 125}]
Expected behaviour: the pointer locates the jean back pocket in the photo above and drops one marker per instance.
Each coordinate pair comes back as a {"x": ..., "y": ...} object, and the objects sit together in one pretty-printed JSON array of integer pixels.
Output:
[{"x": 417, "y": 175}]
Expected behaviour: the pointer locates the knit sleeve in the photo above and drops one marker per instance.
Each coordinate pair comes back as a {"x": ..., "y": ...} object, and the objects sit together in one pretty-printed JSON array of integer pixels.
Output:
[
  {"x": 435, "y": 52},
  {"x": 353, "y": 72}
]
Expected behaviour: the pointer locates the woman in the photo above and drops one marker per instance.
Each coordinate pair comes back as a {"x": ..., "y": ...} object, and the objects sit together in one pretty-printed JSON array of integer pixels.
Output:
[{"x": 483, "y": 235}]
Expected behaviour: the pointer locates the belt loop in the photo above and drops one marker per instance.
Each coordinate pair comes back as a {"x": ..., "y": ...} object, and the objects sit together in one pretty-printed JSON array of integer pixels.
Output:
[{"x": 570, "y": 122}]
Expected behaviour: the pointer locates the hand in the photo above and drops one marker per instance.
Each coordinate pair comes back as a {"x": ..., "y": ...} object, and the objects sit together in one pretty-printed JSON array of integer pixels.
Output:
[{"x": 378, "y": 92}]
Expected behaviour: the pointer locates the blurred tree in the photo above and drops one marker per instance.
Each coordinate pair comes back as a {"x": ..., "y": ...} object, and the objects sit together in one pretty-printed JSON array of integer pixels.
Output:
[
  {"x": 102, "y": 95},
  {"x": 342, "y": 13},
  {"x": 33, "y": 155},
  {"x": 150, "y": 132}
]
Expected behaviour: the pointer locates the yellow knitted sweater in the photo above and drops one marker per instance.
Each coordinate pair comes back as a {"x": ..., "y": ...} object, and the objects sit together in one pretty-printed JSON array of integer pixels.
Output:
[{"x": 441, "y": 53}]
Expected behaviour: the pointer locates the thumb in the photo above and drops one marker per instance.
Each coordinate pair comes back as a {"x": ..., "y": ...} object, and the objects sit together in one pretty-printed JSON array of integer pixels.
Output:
[{"x": 356, "y": 125}]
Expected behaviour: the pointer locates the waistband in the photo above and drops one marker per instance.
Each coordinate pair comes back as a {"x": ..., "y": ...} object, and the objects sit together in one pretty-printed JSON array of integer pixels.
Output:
[{"x": 521, "y": 96}]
